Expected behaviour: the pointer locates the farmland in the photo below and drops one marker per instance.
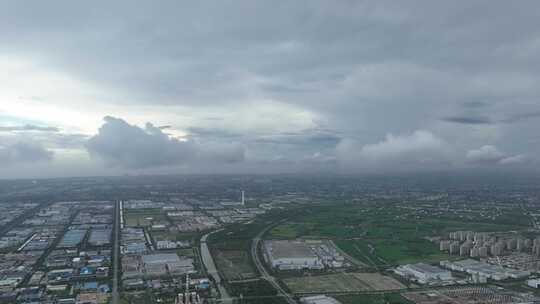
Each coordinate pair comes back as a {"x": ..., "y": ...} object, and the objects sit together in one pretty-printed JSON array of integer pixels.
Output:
[
  {"x": 342, "y": 282},
  {"x": 390, "y": 298},
  {"x": 382, "y": 236}
]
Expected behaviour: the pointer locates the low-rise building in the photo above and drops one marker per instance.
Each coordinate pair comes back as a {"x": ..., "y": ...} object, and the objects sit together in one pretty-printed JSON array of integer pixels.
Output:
[
  {"x": 289, "y": 255},
  {"x": 424, "y": 273},
  {"x": 319, "y": 300}
]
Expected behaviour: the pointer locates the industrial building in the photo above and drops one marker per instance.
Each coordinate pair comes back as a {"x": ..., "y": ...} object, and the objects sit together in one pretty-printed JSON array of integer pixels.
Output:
[
  {"x": 158, "y": 264},
  {"x": 424, "y": 273},
  {"x": 290, "y": 255},
  {"x": 100, "y": 237},
  {"x": 319, "y": 300},
  {"x": 534, "y": 283},
  {"x": 72, "y": 238},
  {"x": 482, "y": 269}
]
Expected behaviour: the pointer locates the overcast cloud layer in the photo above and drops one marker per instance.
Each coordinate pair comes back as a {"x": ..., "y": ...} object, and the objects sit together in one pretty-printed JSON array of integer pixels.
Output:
[{"x": 97, "y": 87}]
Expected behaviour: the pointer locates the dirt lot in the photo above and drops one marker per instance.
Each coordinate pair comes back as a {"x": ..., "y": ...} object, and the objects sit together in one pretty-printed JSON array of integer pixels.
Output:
[
  {"x": 234, "y": 264},
  {"x": 379, "y": 282},
  {"x": 342, "y": 282}
]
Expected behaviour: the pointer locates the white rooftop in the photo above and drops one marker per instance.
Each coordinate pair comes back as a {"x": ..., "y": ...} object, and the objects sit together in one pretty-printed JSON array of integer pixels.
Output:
[{"x": 319, "y": 300}]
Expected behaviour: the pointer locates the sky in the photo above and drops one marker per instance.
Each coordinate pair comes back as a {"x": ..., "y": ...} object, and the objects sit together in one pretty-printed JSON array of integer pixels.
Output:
[{"x": 176, "y": 87}]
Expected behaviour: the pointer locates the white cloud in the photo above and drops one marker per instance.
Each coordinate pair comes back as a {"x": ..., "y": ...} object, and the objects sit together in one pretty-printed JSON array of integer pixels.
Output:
[
  {"x": 485, "y": 154},
  {"x": 24, "y": 152},
  {"x": 419, "y": 149},
  {"x": 516, "y": 159},
  {"x": 489, "y": 154},
  {"x": 120, "y": 144}
]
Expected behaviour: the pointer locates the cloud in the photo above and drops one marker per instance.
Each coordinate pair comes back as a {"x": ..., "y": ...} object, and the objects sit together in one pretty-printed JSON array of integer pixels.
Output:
[
  {"x": 475, "y": 104},
  {"x": 313, "y": 136},
  {"x": 468, "y": 120},
  {"x": 516, "y": 159},
  {"x": 320, "y": 158},
  {"x": 485, "y": 154},
  {"x": 227, "y": 78},
  {"x": 121, "y": 144},
  {"x": 28, "y": 128},
  {"x": 410, "y": 151},
  {"x": 24, "y": 152},
  {"x": 522, "y": 117},
  {"x": 489, "y": 154}
]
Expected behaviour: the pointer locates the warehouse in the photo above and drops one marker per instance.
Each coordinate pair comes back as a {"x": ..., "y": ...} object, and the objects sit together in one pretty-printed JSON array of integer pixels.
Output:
[
  {"x": 424, "y": 273},
  {"x": 72, "y": 238},
  {"x": 100, "y": 237},
  {"x": 494, "y": 272},
  {"x": 289, "y": 255},
  {"x": 158, "y": 264},
  {"x": 319, "y": 300}
]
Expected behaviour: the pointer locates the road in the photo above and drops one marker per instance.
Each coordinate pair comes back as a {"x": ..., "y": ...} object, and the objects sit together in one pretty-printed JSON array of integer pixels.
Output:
[
  {"x": 211, "y": 269},
  {"x": 116, "y": 256},
  {"x": 262, "y": 270}
]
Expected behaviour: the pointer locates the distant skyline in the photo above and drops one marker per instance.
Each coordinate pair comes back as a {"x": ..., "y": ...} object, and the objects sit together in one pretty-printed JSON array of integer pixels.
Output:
[{"x": 101, "y": 88}]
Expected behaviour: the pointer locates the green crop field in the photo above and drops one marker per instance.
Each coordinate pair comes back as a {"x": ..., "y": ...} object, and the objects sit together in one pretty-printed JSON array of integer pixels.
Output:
[
  {"x": 144, "y": 219},
  {"x": 291, "y": 230},
  {"x": 174, "y": 236},
  {"x": 381, "y": 235},
  {"x": 256, "y": 292}
]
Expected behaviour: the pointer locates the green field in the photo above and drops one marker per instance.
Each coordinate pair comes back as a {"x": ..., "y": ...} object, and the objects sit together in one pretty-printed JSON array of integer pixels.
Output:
[
  {"x": 144, "y": 218},
  {"x": 291, "y": 230},
  {"x": 381, "y": 235},
  {"x": 174, "y": 236},
  {"x": 257, "y": 292}
]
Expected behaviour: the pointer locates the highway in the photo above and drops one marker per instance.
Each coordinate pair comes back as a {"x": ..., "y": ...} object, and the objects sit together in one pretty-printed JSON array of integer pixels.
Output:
[
  {"x": 264, "y": 274},
  {"x": 211, "y": 269},
  {"x": 116, "y": 262}
]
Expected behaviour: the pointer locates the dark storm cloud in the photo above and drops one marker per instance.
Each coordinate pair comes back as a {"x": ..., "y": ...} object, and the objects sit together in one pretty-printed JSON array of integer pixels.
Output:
[
  {"x": 445, "y": 77},
  {"x": 475, "y": 104},
  {"x": 24, "y": 152},
  {"x": 28, "y": 128},
  {"x": 521, "y": 117},
  {"x": 51, "y": 140},
  {"x": 121, "y": 144},
  {"x": 204, "y": 52},
  {"x": 479, "y": 120},
  {"x": 313, "y": 137},
  {"x": 468, "y": 120},
  {"x": 214, "y": 133}
]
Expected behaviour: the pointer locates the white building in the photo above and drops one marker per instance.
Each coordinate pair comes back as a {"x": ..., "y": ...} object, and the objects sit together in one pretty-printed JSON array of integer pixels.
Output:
[
  {"x": 494, "y": 272},
  {"x": 319, "y": 300},
  {"x": 290, "y": 255},
  {"x": 534, "y": 283},
  {"x": 424, "y": 273}
]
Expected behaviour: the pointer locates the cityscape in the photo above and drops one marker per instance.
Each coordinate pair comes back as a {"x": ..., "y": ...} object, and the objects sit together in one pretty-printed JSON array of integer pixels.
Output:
[{"x": 230, "y": 239}]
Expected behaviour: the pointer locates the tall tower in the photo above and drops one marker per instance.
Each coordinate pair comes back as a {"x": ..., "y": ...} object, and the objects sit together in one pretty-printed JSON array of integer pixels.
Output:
[
  {"x": 243, "y": 202},
  {"x": 188, "y": 295}
]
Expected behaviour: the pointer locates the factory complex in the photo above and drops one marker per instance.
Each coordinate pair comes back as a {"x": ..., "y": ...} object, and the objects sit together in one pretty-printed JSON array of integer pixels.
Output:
[
  {"x": 302, "y": 254},
  {"x": 424, "y": 273}
]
